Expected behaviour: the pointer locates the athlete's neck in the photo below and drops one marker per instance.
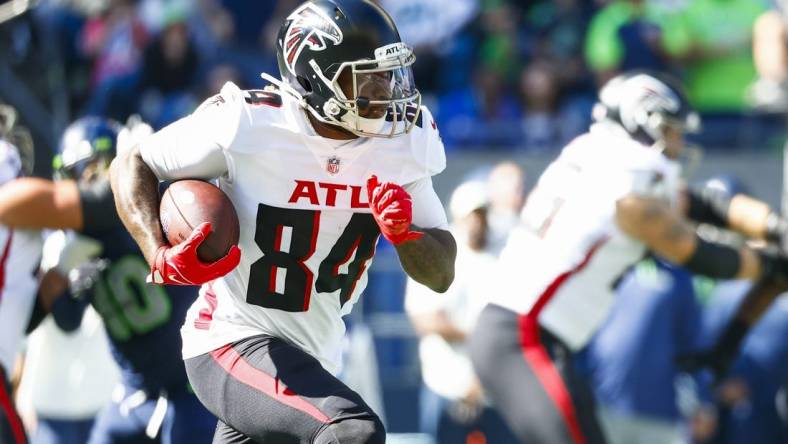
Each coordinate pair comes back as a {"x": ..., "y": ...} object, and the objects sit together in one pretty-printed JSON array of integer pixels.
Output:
[{"x": 329, "y": 131}]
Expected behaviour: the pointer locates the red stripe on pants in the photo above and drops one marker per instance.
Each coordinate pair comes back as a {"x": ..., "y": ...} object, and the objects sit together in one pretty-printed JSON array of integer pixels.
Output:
[
  {"x": 539, "y": 360},
  {"x": 234, "y": 364},
  {"x": 8, "y": 409}
]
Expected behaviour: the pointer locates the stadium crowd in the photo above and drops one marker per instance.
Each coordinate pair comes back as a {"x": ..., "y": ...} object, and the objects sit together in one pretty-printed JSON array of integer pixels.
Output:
[{"x": 506, "y": 74}]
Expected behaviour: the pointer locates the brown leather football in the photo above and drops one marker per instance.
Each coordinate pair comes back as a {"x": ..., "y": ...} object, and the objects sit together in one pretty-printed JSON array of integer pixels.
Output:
[{"x": 188, "y": 203}]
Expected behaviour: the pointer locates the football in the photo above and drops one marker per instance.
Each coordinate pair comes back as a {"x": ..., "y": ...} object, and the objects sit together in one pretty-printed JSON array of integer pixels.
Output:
[{"x": 188, "y": 203}]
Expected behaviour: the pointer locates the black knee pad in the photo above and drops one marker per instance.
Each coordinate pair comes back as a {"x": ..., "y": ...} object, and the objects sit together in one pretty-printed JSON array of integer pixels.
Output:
[{"x": 368, "y": 430}]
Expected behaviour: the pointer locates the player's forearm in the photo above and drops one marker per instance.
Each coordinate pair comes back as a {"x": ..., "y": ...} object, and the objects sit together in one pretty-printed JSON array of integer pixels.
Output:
[
  {"x": 740, "y": 213},
  {"x": 749, "y": 216},
  {"x": 670, "y": 236},
  {"x": 34, "y": 203},
  {"x": 430, "y": 260},
  {"x": 136, "y": 191}
]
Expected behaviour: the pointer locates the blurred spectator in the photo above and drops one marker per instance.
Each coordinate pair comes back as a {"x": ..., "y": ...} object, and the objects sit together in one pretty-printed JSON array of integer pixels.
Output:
[
  {"x": 430, "y": 24},
  {"x": 445, "y": 54},
  {"x": 541, "y": 123},
  {"x": 498, "y": 50},
  {"x": 770, "y": 51},
  {"x": 249, "y": 20},
  {"x": 452, "y": 404},
  {"x": 626, "y": 35},
  {"x": 60, "y": 405},
  {"x": 712, "y": 39},
  {"x": 555, "y": 30},
  {"x": 217, "y": 77},
  {"x": 655, "y": 319},
  {"x": 506, "y": 195},
  {"x": 114, "y": 39},
  {"x": 251, "y": 35},
  {"x": 484, "y": 113},
  {"x": 169, "y": 75},
  {"x": 548, "y": 123}
]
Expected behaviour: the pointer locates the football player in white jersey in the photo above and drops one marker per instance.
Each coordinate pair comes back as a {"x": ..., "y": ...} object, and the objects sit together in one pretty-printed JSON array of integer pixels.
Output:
[
  {"x": 339, "y": 152},
  {"x": 20, "y": 252},
  {"x": 609, "y": 198}
]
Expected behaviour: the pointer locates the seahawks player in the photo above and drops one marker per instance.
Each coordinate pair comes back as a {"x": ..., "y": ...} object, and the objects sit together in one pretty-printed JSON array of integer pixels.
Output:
[
  {"x": 154, "y": 403},
  {"x": 611, "y": 196},
  {"x": 338, "y": 153}
]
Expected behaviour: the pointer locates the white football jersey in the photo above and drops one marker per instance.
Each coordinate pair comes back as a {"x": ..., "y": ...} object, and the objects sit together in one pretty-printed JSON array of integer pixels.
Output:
[
  {"x": 566, "y": 257},
  {"x": 307, "y": 234},
  {"x": 20, "y": 252}
]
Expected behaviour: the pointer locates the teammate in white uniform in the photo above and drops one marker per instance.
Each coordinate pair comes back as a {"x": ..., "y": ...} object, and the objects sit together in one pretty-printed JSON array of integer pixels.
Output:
[
  {"x": 609, "y": 198},
  {"x": 313, "y": 168},
  {"x": 20, "y": 252}
]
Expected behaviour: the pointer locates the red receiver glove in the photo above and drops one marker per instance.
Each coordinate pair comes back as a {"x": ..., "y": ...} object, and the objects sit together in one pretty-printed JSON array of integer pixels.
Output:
[
  {"x": 179, "y": 264},
  {"x": 392, "y": 209}
]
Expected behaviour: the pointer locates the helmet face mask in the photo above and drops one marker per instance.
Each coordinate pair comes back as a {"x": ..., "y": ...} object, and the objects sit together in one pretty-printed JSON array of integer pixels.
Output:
[
  {"x": 345, "y": 62},
  {"x": 371, "y": 93}
]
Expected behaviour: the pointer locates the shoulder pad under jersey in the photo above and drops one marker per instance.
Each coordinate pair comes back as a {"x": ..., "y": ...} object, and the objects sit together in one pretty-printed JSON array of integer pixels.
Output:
[{"x": 427, "y": 154}]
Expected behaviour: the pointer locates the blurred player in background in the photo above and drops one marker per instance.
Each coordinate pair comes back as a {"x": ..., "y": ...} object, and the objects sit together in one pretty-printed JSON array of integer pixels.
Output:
[
  {"x": 506, "y": 194},
  {"x": 154, "y": 402},
  {"x": 609, "y": 197},
  {"x": 68, "y": 378},
  {"x": 630, "y": 361},
  {"x": 301, "y": 166},
  {"x": 452, "y": 401},
  {"x": 751, "y": 398},
  {"x": 770, "y": 54},
  {"x": 751, "y": 405},
  {"x": 19, "y": 258}
]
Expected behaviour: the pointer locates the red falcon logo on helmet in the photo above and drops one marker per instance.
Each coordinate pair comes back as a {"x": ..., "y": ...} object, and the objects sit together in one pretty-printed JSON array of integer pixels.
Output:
[{"x": 309, "y": 27}]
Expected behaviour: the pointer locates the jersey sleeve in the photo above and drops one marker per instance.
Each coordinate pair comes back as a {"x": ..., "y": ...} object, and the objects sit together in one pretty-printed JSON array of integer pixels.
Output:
[
  {"x": 194, "y": 146},
  {"x": 98, "y": 208},
  {"x": 433, "y": 158},
  {"x": 428, "y": 211},
  {"x": 427, "y": 156}
]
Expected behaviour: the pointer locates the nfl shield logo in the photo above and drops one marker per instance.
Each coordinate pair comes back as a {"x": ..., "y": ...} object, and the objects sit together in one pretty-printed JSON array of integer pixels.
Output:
[{"x": 333, "y": 165}]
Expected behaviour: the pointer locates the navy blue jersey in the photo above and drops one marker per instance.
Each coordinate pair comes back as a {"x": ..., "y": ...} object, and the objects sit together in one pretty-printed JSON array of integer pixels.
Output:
[{"x": 142, "y": 320}]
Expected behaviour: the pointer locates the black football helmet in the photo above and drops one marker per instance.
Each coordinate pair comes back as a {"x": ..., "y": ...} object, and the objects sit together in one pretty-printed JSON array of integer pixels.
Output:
[
  {"x": 344, "y": 60},
  {"x": 643, "y": 103}
]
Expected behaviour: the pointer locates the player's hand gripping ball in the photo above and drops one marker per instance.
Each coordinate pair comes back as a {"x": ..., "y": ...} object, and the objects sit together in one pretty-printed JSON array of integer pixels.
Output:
[
  {"x": 202, "y": 228},
  {"x": 392, "y": 209}
]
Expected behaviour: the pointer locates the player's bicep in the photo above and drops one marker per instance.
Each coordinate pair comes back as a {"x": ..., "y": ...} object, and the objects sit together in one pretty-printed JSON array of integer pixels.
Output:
[
  {"x": 186, "y": 149},
  {"x": 428, "y": 211},
  {"x": 659, "y": 226}
]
